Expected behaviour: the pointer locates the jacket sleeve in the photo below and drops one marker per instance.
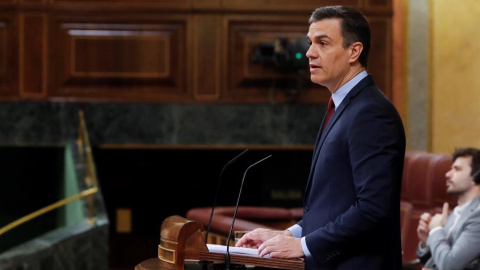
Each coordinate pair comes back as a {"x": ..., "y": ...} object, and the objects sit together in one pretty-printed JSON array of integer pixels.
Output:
[
  {"x": 423, "y": 254},
  {"x": 465, "y": 250}
]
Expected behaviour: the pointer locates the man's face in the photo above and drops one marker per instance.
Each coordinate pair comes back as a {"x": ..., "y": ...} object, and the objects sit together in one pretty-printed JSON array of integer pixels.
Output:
[
  {"x": 329, "y": 61},
  {"x": 459, "y": 179}
]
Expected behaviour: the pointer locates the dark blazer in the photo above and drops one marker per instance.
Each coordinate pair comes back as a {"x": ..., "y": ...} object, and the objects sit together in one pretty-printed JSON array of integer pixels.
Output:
[{"x": 351, "y": 216}]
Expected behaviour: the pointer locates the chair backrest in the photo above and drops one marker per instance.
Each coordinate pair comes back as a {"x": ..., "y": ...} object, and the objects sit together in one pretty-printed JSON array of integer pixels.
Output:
[
  {"x": 418, "y": 183},
  {"x": 411, "y": 240},
  {"x": 405, "y": 217},
  {"x": 440, "y": 165},
  {"x": 405, "y": 195}
]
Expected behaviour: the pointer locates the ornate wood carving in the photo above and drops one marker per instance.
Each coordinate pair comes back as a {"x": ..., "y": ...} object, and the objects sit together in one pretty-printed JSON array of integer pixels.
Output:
[{"x": 182, "y": 239}]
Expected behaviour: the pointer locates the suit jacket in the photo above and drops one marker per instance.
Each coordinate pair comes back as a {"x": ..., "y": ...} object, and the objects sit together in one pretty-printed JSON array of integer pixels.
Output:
[
  {"x": 351, "y": 216},
  {"x": 460, "y": 249}
]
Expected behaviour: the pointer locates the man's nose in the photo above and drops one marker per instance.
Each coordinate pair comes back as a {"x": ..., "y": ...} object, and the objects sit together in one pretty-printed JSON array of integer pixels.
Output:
[{"x": 309, "y": 53}]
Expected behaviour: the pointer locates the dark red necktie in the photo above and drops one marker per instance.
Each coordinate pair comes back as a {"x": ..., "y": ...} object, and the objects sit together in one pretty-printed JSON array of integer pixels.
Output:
[{"x": 330, "y": 111}]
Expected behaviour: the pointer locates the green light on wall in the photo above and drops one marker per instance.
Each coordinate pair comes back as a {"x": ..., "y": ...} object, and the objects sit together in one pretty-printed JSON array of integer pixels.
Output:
[{"x": 298, "y": 56}]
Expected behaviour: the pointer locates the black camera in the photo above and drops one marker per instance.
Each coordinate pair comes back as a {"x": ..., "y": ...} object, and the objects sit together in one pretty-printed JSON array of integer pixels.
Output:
[{"x": 286, "y": 55}]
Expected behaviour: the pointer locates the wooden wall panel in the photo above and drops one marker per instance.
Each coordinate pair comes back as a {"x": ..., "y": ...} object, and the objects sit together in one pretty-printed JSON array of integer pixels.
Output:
[
  {"x": 7, "y": 2},
  {"x": 288, "y": 5},
  {"x": 201, "y": 4},
  {"x": 121, "y": 61},
  {"x": 207, "y": 57},
  {"x": 33, "y": 2},
  {"x": 173, "y": 4},
  {"x": 143, "y": 54},
  {"x": 3, "y": 56},
  {"x": 249, "y": 81},
  {"x": 378, "y": 5},
  {"x": 8, "y": 56},
  {"x": 33, "y": 55},
  {"x": 380, "y": 57},
  {"x": 166, "y": 50}
]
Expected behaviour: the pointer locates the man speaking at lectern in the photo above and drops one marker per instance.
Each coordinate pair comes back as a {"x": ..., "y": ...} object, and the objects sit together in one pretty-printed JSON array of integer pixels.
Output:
[{"x": 351, "y": 216}]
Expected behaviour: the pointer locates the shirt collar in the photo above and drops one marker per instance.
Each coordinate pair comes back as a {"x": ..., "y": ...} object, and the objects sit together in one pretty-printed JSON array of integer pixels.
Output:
[
  {"x": 342, "y": 92},
  {"x": 458, "y": 210}
]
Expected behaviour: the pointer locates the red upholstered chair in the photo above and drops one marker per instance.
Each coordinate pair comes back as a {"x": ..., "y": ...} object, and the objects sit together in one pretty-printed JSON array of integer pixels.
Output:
[
  {"x": 411, "y": 239},
  {"x": 418, "y": 181},
  {"x": 406, "y": 209},
  {"x": 418, "y": 177},
  {"x": 410, "y": 260},
  {"x": 296, "y": 213},
  {"x": 440, "y": 165},
  {"x": 405, "y": 194},
  {"x": 424, "y": 185}
]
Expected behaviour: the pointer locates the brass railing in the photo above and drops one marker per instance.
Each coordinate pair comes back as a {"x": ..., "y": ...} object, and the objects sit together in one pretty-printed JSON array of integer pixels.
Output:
[
  {"x": 85, "y": 152},
  {"x": 86, "y": 156}
]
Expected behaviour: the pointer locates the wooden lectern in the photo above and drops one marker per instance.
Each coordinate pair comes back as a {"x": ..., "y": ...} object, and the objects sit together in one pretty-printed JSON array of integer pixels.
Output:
[{"x": 182, "y": 239}]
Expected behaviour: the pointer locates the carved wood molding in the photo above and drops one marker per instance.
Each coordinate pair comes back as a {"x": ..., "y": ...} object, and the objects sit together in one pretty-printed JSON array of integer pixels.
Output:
[
  {"x": 166, "y": 50},
  {"x": 112, "y": 59}
]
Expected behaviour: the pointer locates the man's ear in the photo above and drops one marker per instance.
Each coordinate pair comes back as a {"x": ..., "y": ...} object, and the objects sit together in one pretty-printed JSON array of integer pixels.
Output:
[{"x": 356, "y": 49}]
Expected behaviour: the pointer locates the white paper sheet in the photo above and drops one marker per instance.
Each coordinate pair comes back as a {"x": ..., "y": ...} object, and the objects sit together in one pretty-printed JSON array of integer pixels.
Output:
[{"x": 237, "y": 250}]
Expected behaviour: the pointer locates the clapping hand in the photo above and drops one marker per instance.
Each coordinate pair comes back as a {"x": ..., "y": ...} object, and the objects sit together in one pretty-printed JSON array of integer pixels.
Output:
[
  {"x": 439, "y": 219},
  {"x": 422, "y": 229}
]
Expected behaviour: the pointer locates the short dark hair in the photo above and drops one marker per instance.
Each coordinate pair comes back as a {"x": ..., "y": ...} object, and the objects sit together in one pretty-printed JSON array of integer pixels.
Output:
[
  {"x": 355, "y": 26},
  {"x": 475, "y": 154}
]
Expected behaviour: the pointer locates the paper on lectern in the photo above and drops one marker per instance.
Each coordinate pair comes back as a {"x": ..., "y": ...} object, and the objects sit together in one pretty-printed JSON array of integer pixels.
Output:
[{"x": 237, "y": 250}]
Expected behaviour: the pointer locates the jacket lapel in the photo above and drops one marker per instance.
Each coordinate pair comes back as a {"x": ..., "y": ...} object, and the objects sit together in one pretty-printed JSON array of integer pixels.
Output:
[
  {"x": 466, "y": 214},
  {"x": 336, "y": 115}
]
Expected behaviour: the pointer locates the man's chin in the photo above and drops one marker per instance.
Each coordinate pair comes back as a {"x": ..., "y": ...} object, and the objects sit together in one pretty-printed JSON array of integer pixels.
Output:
[
  {"x": 315, "y": 79},
  {"x": 452, "y": 192}
]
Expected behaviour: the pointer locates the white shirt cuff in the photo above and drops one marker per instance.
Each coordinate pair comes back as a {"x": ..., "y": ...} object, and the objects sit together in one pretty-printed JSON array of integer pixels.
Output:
[
  {"x": 296, "y": 230},
  {"x": 305, "y": 248}
]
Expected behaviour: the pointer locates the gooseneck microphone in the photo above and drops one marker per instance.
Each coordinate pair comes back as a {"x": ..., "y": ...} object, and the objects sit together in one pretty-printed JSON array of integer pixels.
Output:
[
  {"x": 227, "y": 254},
  {"x": 218, "y": 188}
]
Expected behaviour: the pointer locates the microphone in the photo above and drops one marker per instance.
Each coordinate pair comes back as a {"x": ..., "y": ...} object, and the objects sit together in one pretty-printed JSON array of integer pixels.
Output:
[
  {"x": 218, "y": 188},
  {"x": 227, "y": 254}
]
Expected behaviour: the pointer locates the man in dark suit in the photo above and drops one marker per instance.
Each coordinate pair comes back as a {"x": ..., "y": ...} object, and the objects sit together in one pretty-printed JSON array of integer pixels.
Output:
[{"x": 351, "y": 214}]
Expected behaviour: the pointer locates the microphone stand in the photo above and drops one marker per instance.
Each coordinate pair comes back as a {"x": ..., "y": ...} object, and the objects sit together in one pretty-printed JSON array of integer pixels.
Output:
[
  {"x": 227, "y": 254},
  {"x": 218, "y": 188}
]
